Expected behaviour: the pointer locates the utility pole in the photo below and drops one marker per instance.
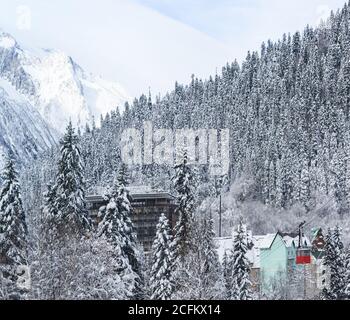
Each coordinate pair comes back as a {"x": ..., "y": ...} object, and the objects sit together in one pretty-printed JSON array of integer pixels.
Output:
[
  {"x": 219, "y": 183},
  {"x": 305, "y": 282},
  {"x": 220, "y": 216},
  {"x": 300, "y": 247},
  {"x": 210, "y": 214},
  {"x": 301, "y": 234}
]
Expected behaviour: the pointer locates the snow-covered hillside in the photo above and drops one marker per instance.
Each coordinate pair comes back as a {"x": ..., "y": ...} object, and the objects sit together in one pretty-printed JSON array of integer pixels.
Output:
[
  {"x": 57, "y": 86},
  {"x": 40, "y": 91},
  {"x": 23, "y": 132}
]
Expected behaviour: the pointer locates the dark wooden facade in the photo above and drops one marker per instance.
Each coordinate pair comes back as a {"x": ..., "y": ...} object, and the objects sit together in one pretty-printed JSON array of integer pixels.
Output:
[
  {"x": 147, "y": 209},
  {"x": 318, "y": 243}
]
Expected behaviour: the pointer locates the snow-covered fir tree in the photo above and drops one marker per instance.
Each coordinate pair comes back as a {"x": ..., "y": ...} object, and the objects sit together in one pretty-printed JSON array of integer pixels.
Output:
[
  {"x": 162, "y": 264},
  {"x": 184, "y": 186},
  {"x": 211, "y": 273},
  {"x": 13, "y": 226},
  {"x": 334, "y": 262},
  {"x": 239, "y": 266},
  {"x": 111, "y": 228},
  {"x": 118, "y": 227},
  {"x": 226, "y": 274},
  {"x": 199, "y": 274},
  {"x": 347, "y": 275},
  {"x": 72, "y": 215},
  {"x": 13, "y": 233}
]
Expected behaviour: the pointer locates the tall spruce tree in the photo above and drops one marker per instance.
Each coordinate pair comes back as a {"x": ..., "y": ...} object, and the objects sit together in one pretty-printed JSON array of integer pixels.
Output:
[
  {"x": 347, "y": 275},
  {"x": 13, "y": 234},
  {"x": 239, "y": 266},
  {"x": 212, "y": 284},
  {"x": 13, "y": 226},
  {"x": 118, "y": 226},
  {"x": 72, "y": 215},
  {"x": 112, "y": 228},
  {"x": 334, "y": 262},
  {"x": 65, "y": 225},
  {"x": 184, "y": 186},
  {"x": 226, "y": 275},
  {"x": 161, "y": 280}
]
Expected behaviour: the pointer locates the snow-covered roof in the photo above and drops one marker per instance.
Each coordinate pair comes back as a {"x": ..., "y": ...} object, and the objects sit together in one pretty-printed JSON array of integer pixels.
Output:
[
  {"x": 253, "y": 255},
  {"x": 136, "y": 192},
  {"x": 294, "y": 241},
  {"x": 140, "y": 189},
  {"x": 289, "y": 241},
  {"x": 151, "y": 195},
  {"x": 97, "y": 191},
  {"x": 264, "y": 242}
]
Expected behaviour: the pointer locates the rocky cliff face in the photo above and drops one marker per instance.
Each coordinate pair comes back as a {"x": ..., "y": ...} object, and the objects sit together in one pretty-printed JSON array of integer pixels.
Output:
[{"x": 23, "y": 132}]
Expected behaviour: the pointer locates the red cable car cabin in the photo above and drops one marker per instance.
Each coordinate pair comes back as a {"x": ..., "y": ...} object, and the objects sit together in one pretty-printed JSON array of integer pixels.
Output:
[{"x": 303, "y": 256}]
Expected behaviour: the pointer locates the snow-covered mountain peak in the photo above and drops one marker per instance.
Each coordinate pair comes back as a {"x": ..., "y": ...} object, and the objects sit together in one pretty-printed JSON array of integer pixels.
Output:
[
  {"x": 7, "y": 41},
  {"x": 59, "y": 96},
  {"x": 56, "y": 85},
  {"x": 40, "y": 91}
]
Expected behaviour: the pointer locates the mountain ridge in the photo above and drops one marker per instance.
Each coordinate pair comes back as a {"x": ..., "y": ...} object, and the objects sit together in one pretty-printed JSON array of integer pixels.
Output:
[
  {"x": 45, "y": 89},
  {"x": 57, "y": 85}
]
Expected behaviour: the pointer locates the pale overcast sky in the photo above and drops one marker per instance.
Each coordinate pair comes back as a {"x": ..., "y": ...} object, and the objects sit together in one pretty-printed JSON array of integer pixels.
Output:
[{"x": 153, "y": 43}]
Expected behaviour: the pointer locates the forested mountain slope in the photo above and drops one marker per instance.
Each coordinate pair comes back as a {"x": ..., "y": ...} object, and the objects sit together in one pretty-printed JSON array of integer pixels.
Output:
[{"x": 287, "y": 107}]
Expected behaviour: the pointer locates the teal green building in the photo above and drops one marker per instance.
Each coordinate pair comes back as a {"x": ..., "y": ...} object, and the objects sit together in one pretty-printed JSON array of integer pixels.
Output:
[{"x": 272, "y": 257}]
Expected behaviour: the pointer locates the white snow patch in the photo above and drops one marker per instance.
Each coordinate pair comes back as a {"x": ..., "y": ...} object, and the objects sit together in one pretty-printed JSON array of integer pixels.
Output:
[
  {"x": 7, "y": 41},
  {"x": 11, "y": 91},
  {"x": 66, "y": 92},
  {"x": 265, "y": 241},
  {"x": 290, "y": 241},
  {"x": 60, "y": 89}
]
